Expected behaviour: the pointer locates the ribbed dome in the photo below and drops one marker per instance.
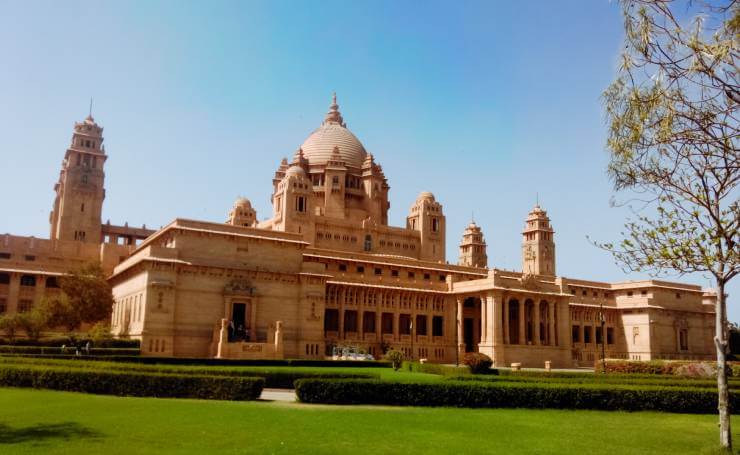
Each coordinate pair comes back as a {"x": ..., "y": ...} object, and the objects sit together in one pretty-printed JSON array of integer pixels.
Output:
[{"x": 319, "y": 146}]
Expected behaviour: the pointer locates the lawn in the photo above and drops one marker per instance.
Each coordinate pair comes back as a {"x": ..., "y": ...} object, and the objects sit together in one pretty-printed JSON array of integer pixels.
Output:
[{"x": 34, "y": 421}]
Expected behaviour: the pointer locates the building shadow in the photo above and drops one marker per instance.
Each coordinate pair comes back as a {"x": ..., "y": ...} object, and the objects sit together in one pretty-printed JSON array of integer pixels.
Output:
[{"x": 65, "y": 431}]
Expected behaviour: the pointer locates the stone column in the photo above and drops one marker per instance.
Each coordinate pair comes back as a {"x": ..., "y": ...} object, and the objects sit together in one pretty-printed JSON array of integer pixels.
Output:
[
  {"x": 378, "y": 324},
  {"x": 460, "y": 338},
  {"x": 522, "y": 320},
  {"x": 505, "y": 322},
  {"x": 483, "y": 319},
  {"x": 582, "y": 330},
  {"x": 551, "y": 323},
  {"x": 497, "y": 306},
  {"x": 536, "y": 323},
  {"x": 360, "y": 327},
  {"x": 14, "y": 289},
  {"x": 341, "y": 322},
  {"x": 396, "y": 332}
]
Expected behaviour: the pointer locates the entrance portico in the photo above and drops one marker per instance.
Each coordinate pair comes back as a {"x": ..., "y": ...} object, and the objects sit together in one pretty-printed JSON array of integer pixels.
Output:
[{"x": 522, "y": 318}]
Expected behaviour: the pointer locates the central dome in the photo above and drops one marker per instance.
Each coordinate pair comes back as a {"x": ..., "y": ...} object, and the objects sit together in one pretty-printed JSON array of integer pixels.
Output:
[{"x": 319, "y": 146}]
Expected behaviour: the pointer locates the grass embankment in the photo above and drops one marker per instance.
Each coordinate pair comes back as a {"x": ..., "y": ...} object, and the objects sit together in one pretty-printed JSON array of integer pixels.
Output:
[{"x": 60, "y": 422}]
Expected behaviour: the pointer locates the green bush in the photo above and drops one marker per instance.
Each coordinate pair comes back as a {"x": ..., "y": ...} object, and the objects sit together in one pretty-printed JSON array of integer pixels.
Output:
[
  {"x": 477, "y": 362},
  {"x": 132, "y": 383},
  {"x": 395, "y": 358},
  {"x": 274, "y": 377},
  {"x": 508, "y": 395},
  {"x": 69, "y": 351},
  {"x": 667, "y": 367}
]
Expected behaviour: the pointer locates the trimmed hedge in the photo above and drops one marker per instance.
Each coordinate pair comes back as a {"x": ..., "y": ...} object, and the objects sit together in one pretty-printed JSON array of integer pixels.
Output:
[
  {"x": 665, "y": 381},
  {"x": 58, "y": 341},
  {"x": 132, "y": 384},
  {"x": 510, "y": 395},
  {"x": 666, "y": 367},
  {"x": 69, "y": 352},
  {"x": 111, "y": 356},
  {"x": 277, "y": 377}
]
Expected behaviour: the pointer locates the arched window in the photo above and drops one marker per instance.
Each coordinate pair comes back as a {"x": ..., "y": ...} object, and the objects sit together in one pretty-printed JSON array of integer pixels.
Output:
[{"x": 368, "y": 243}]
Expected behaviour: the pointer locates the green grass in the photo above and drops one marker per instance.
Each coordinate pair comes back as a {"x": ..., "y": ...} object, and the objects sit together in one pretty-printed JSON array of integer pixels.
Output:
[
  {"x": 383, "y": 373},
  {"x": 48, "y": 422}
]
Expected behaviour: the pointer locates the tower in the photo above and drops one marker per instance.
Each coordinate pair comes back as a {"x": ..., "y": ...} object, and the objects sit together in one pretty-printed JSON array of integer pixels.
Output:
[
  {"x": 538, "y": 245},
  {"x": 426, "y": 216},
  {"x": 473, "y": 247},
  {"x": 242, "y": 214},
  {"x": 80, "y": 191}
]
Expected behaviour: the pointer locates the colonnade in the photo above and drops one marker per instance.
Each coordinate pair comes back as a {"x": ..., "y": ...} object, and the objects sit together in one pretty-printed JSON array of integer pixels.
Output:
[{"x": 512, "y": 320}]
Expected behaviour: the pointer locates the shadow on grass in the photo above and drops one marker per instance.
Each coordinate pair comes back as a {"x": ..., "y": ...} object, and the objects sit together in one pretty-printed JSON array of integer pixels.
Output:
[{"x": 65, "y": 431}]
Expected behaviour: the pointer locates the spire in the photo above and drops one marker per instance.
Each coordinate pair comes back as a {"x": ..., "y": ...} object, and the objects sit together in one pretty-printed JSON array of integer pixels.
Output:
[
  {"x": 89, "y": 112},
  {"x": 334, "y": 116}
]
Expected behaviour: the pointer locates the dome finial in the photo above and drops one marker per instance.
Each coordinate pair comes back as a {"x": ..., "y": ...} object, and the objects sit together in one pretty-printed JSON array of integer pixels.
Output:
[{"x": 334, "y": 116}]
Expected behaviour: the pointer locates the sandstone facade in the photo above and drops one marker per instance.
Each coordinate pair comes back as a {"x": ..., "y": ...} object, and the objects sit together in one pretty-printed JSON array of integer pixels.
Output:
[{"x": 325, "y": 270}]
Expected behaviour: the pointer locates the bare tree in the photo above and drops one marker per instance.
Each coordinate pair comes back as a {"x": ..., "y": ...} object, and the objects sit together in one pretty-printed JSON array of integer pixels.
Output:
[{"x": 673, "y": 143}]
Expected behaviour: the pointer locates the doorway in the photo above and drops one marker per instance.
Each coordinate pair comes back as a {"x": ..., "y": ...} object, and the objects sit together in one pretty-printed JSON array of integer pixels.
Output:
[
  {"x": 239, "y": 319},
  {"x": 468, "y": 334}
]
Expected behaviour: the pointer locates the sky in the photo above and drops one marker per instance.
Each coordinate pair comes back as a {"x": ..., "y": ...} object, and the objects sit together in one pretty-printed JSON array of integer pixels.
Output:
[{"x": 490, "y": 105}]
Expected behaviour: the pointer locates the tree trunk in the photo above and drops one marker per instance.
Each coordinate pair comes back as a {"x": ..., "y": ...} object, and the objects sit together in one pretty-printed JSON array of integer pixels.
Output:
[{"x": 720, "y": 341}]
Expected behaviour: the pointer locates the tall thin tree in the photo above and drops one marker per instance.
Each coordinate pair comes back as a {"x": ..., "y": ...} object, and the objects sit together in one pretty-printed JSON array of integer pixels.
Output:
[{"x": 673, "y": 143}]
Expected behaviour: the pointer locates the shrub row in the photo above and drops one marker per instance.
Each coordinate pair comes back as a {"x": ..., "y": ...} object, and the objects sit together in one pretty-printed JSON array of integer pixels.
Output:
[
  {"x": 435, "y": 368},
  {"x": 508, "y": 395},
  {"x": 666, "y": 381},
  {"x": 274, "y": 377},
  {"x": 130, "y": 357},
  {"x": 666, "y": 367},
  {"x": 69, "y": 341},
  {"x": 68, "y": 352},
  {"x": 132, "y": 383}
]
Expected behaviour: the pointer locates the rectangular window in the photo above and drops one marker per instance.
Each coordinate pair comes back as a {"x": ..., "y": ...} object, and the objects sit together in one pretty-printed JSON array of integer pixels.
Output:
[
  {"x": 684, "y": 339},
  {"x": 386, "y": 323},
  {"x": 442, "y": 277},
  {"x": 28, "y": 280},
  {"x": 609, "y": 335},
  {"x": 576, "y": 333},
  {"x": 404, "y": 324},
  {"x": 331, "y": 320},
  {"x": 427, "y": 276},
  {"x": 378, "y": 271},
  {"x": 587, "y": 334},
  {"x": 51, "y": 282},
  {"x": 421, "y": 324},
  {"x": 342, "y": 267},
  {"x": 3, "y": 305},
  {"x": 350, "y": 321},
  {"x": 394, "y": 273},
  {"x": 360, "y": 269},
  {"x": 30, "y": 257},
  {"x": 437, "y": 326},
  {"x": 4, "y": 255},
  {"x": 598, "y": 335},
  {"x": 411, "y": 275},
  {"x": 368, "y": 322}
]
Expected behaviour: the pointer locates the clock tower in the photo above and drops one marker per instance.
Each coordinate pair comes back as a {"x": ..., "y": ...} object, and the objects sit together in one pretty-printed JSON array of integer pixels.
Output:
[
  {"x": 538, "y": 245},
  {"x": 76, "y": 214}
]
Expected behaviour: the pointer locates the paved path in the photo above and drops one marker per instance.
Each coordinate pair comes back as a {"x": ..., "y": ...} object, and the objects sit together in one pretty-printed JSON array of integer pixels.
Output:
[{"x": 278, "y": 395}]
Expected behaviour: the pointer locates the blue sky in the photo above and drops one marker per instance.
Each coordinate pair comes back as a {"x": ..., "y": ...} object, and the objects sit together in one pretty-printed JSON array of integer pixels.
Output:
[{"x": 483, "y": 103}]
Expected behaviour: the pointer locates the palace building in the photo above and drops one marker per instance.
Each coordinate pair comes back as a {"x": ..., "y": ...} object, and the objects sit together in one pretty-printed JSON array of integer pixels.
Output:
[{"x": 326, "y": 270}]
